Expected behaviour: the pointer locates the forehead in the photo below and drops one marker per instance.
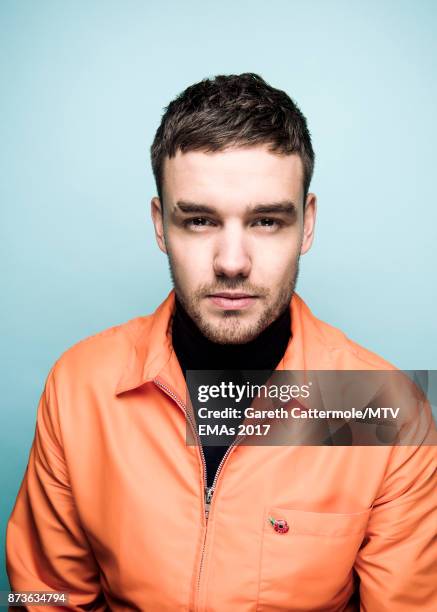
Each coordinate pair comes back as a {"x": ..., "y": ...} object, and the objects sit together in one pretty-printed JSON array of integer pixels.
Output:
[{"x": 237, "y": 176}]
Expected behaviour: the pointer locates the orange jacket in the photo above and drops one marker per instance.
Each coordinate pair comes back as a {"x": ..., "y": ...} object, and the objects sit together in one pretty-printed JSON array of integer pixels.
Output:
[{"x": 112, "y": 508}]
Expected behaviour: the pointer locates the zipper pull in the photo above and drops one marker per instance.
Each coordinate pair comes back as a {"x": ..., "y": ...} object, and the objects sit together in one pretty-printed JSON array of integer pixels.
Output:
[{"x": 208, "y": 497}]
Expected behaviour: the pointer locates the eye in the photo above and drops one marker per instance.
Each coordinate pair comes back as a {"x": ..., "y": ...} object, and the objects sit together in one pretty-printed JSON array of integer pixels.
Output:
[
  {"x": 269, "y": 222},
  {"x": 197, "y": 222}
]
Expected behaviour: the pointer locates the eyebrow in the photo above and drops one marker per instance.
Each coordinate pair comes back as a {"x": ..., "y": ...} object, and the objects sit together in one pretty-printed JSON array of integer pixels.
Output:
[
  {"x": 193, "y": 207},
  {"x": 285, "y": 207}
]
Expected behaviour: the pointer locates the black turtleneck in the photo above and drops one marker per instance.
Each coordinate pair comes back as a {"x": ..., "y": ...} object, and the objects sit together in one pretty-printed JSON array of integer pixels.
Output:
[{"x": 196, "y": 352}]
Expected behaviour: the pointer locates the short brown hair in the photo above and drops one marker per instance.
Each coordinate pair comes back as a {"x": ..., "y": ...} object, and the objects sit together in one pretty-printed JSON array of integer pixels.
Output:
[{"x": 232, "y": 110}]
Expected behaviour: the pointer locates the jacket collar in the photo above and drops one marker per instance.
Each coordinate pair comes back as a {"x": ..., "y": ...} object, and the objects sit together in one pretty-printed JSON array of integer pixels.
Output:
[
  {"x": 152, "y": 355},
  {"x": 152, "y": 349}
]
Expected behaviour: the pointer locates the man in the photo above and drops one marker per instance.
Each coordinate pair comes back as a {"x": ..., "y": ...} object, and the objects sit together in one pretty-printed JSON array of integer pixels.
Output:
[{"x": 116, "y": 509}]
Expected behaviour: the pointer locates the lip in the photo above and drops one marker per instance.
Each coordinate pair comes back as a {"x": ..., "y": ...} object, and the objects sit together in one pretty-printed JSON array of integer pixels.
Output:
[
  {"x": 232, "y": 301},
  {"x": 229, "y": 294}
]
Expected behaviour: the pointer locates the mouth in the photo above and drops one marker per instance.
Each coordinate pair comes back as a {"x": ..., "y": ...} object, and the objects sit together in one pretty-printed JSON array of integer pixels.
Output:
[{"x": 232, "y": 301}]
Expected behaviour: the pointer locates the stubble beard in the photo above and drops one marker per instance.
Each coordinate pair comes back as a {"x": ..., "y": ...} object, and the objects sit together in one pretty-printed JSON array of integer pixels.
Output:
[{"x": 230, "y": 329}]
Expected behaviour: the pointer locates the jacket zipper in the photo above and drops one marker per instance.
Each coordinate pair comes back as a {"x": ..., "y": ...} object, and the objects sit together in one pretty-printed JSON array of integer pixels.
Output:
[
  {"x": 208, "y": 491},
  {"x": 183, "y": 407}
]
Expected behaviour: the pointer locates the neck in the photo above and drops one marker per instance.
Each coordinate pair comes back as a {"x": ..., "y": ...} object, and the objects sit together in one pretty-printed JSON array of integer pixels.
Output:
[{"x": 196, "y": 352}]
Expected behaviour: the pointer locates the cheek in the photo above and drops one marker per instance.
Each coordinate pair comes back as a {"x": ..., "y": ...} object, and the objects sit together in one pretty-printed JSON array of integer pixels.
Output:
[
  {"x": 276, "y": 262},
  {"x": 190, "y": 262}
]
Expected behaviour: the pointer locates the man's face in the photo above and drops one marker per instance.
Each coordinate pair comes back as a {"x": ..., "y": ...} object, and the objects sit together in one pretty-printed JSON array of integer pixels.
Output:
[{"x": 233, "y": 228}]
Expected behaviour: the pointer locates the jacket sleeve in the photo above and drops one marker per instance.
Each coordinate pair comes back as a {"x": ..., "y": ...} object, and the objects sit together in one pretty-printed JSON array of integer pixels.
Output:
[
  {"x": 46, "y": 547},
  {"x": 397, "y": 563}
]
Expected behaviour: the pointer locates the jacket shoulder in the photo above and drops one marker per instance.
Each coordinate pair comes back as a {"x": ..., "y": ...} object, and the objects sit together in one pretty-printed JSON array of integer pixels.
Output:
[
  {"x": 345, "y": 353},
  {"x": 101, "y": 355}
]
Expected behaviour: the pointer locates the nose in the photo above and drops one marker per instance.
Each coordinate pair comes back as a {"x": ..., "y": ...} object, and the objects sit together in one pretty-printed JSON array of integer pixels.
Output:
[{"x": 231, "y": 254}]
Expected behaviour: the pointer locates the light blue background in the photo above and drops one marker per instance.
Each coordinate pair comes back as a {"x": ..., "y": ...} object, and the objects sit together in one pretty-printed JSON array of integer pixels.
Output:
[{"x": 83, "y": 88}]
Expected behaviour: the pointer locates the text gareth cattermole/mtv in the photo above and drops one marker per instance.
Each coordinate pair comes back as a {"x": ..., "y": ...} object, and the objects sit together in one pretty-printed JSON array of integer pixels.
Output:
[{"x": 299, "y": 413}]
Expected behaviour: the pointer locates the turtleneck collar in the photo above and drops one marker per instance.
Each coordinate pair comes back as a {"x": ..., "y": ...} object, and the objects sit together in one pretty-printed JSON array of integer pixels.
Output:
[{"x": 196, "y": 352}]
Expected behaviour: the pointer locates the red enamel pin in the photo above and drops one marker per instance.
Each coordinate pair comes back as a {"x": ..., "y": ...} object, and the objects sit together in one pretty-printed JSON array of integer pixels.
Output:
[{"x": 279, "y": 525}]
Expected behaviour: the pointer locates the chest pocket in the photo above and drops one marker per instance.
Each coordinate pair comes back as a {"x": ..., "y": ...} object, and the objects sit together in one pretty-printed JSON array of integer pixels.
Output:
[{"x": 309, "y": 566}]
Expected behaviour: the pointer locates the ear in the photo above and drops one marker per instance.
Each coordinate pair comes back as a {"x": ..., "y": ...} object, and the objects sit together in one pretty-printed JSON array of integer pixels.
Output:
[
  {"x": 158, "y": 222},
  {"x": 309, "y": 222}
]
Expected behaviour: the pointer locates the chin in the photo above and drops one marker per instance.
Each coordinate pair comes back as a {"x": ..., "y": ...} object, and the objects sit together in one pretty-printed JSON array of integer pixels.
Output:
[{"x": 223, "y": 333}]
